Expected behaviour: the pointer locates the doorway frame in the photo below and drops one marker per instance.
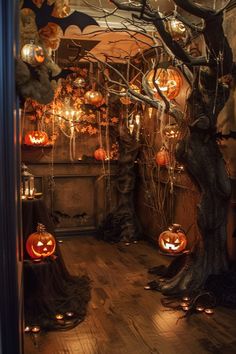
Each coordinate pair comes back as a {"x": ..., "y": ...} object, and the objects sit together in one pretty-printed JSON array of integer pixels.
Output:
[{"x": 11, "y": 261}]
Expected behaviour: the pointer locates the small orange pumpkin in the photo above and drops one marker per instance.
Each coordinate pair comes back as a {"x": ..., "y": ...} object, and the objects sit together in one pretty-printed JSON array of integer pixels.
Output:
[
  {"x": 36, "y": 138},
  {"x": 169, "y": 82},
  {"x": 173, "y": 240},
  {"x": 93, "y": 97},
  {"x": 100, "y": 154},
  {"x": 162, "y": 157},
  {"x": 32, "y": 54},
  {"x": 40, "y": 244}
]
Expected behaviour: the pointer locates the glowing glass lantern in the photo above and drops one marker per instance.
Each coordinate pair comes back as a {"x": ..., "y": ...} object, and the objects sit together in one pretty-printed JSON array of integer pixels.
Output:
[
  {"x": 32, "y": 54},
  {"x": 173, "y": 240},
  {"x": 41, "y": 243},
  {"x": 169, "y": 82},
  {"x": 36, "y": 138},
  {"x": 177, "y": 30},
  {"x": 27, "y": 183}
]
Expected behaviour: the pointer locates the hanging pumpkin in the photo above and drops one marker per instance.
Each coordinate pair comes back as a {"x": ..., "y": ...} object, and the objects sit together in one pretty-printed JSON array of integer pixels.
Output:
[
  {"x": 177, "y": 29},
  {"x": 100, "y": 154},
  {"x": 162, "y": 157},
  {"x": 169, "y": 82},
  {"x": 36, "y": 138},
  {"x": 40, "y": 244},
  {"x": 173, "y": 240},
  {"x": 93, "y": 97},
  {"x": 32, "y": 54},
  {"x": 126, "y": 100}
]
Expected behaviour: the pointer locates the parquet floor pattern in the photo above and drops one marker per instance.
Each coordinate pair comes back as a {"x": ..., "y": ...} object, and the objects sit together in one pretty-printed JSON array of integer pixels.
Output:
[{"x": 122, "y": 317}]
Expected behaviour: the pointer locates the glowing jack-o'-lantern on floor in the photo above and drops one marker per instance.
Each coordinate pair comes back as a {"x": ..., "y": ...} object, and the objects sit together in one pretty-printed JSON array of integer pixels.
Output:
[
  {"x": 126, "y": 100},
  {"x": 32, "y": 54},
  {"x": 173, "y": 240},
  {"x": 93, "y": 97},
  {"x": 36, "y": 138},
  {"x": 100, "y": 154},
  {"x": 41, "y": 243},
  {"x": 169, "y": 82}
]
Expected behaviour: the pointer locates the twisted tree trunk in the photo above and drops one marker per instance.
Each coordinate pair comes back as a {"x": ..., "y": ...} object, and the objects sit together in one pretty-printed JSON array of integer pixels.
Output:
[{"x": 122, "y": 224}]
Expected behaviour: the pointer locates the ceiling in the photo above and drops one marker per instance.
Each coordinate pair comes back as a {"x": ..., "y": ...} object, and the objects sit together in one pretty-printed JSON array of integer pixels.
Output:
[{"x": 116, "y": 45}]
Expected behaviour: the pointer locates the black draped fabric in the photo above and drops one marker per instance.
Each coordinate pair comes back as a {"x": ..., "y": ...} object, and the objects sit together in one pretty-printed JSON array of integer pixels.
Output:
[{"x": 49, "y": 289}]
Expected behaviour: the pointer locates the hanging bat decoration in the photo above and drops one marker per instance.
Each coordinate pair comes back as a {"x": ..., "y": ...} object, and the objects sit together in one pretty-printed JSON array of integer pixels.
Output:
[{"x": 43, "y": 16}]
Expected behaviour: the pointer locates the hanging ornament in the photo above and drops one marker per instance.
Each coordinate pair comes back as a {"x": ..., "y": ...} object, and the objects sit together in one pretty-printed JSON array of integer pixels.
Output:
[
  {"x": 177, "y": 30},
  {"x": 171, "y": 131},
  {"x": 93, "y": 97},
  {"x": 126, "y": 100},
  {"x": 32, "y": 54},
  {"x": 40, "y": 244},
  {"x": 162, "y": 157},
  {"x": 79, "y": 82},
  {"x": 173, "y": 240},
  {"x": 169, "y": 82},
  {"x": 36, "y": 138},
  {"x": 100, "y": 154}
]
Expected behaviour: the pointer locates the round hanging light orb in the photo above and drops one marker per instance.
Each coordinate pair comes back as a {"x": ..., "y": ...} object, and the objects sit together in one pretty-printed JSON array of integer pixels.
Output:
[
  {"x": 177, "y": 30},
  {"x": 162, "y": 157},
  {"x": 93, "y": 97},
  {"x": 32, "y": 54},
  {"x": 126, "y": 100},
  {"x": 173, "y": 240},
  {"x": 169, "y": 82},
  {"x": 36, "y": 138},
  {"x": 171, "y": 131},
  {"x": 79, "y": 82}
]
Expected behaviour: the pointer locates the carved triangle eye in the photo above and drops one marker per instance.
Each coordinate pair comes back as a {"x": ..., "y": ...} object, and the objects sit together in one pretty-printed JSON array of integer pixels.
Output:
[
  {"x": 49, "y": 243},
  {"x": 39, "y": 243}
]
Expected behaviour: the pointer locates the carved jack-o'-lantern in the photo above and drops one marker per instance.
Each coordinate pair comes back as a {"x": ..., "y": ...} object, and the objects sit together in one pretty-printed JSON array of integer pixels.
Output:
[
  {"x": 169, "y": 82},
  {"x": 173, "y": 240},
  {"x": 36, "y": 138},
  {"x": 162, "y": 157},
  {"x": 126, "y": 100},
  {"x": 40, "y": 244},
  {"x": 100, "y": 154},
  {"x": 32, "y": 54},
  {"x": 93, "y": 97}
]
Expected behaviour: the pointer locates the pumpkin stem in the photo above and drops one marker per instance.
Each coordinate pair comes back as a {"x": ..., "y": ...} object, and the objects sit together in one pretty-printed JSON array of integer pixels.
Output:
[{"x": 41, "y": 228}]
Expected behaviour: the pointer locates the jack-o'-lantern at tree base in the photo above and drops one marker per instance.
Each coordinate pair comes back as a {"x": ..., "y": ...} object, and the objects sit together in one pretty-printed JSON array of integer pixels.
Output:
[{"x": 172, "y": 241}]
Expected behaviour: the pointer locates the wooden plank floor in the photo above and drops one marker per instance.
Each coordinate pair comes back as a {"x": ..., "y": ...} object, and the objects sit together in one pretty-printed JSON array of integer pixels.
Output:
[{"x": 123, "y": 318}]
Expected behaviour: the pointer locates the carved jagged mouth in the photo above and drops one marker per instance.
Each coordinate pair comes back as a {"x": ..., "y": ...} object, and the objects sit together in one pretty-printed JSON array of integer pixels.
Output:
[
  {"x": 171, "y": 246},
  {"x": 36, "y": 141}
]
